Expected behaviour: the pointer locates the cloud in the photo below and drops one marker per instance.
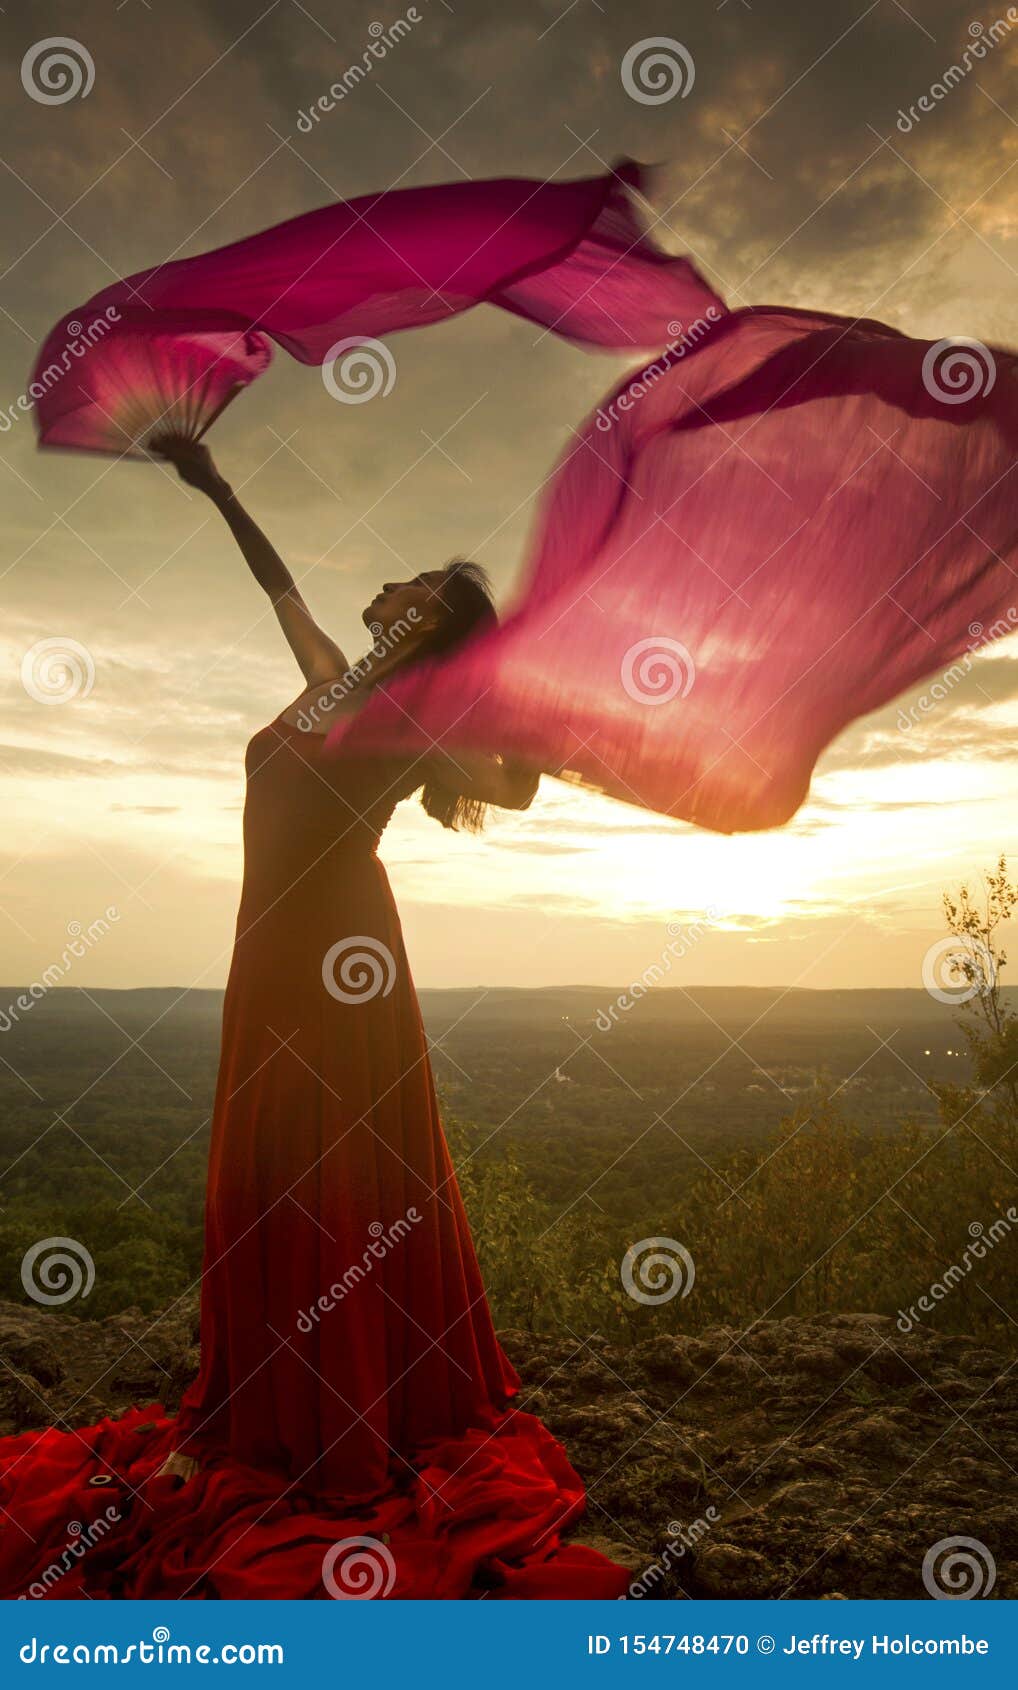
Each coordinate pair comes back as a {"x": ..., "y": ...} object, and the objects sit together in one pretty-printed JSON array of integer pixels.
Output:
[
  {"x": 148, "y": 809},
  {"x": 787, "y": 177},
  {"x": 53, "y": 765},
  {"x": 536, "y": 846}
]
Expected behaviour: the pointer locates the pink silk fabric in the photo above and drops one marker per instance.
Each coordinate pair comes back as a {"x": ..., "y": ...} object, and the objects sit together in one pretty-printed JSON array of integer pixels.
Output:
[
  {"x": 782, "y": 522},
  {"x": 758, "y": 539},
  {"x": 569, "y": 255}
]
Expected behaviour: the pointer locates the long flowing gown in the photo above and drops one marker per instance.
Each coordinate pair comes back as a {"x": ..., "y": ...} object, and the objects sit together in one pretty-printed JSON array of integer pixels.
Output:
[{"x": 353, "y": 1414}]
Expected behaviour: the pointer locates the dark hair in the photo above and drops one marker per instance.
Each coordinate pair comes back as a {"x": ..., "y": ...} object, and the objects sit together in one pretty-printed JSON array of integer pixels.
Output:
[{"x": 465, "y": 594}]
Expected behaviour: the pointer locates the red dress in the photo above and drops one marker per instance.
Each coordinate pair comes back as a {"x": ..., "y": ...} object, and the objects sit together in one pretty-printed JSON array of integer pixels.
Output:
[{"x": 352, "y": 1413}]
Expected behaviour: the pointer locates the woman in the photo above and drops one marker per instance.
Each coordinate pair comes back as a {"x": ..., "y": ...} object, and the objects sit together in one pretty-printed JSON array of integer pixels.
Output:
[
  {"x": 352, "y": 1400},
  {"x": 326, "y": 1125}
]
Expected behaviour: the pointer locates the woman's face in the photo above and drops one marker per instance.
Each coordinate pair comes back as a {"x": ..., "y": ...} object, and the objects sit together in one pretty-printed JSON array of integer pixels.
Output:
[{"x": 415, "y": 602}]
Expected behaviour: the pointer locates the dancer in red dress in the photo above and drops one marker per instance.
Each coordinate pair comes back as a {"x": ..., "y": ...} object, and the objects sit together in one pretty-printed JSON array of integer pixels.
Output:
[{"x": 350, "y": 1432}]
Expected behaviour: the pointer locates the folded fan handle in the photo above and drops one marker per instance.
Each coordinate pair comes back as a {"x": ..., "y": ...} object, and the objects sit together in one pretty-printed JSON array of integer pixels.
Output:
[{"x": 176, "y": 434}]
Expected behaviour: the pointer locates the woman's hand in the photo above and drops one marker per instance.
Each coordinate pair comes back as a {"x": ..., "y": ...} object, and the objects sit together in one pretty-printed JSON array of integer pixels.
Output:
[
  {"x": 193, "y": 461},
  {"x": 319, "y": 657}
]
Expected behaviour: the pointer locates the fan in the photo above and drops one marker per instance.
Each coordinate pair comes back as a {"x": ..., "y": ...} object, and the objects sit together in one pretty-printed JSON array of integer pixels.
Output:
[{"x": 109, "y": 387}]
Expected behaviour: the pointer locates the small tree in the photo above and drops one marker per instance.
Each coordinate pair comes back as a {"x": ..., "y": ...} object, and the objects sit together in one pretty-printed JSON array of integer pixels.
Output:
[{"x": 989, "y": 1022}]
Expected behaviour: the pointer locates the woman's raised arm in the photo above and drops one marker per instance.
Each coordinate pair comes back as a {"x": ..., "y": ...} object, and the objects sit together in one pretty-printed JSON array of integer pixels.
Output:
[{"x": 319, "y": 657}]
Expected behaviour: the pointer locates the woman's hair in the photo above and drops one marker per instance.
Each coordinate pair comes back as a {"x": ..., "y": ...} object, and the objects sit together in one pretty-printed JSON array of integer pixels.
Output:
[{"x": 465, "y": 594}]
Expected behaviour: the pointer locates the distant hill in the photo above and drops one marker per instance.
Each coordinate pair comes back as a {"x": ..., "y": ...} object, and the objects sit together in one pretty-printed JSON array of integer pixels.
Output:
[
  {"x": 731, "y": 1005},
  {"x": 104, "y": 1094}
]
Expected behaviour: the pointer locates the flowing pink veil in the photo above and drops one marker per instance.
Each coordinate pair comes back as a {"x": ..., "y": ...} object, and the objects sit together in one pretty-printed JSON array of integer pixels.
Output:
[
  {"x": 750, "y": 544},
  {"x": 166, "y": 348},
  {"x": 778, "y": 524}
]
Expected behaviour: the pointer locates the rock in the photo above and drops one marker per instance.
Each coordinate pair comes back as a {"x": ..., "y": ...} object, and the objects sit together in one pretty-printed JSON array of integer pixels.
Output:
[
  {"x": 818, "y": 1457},
  {"x": 28, "y": 1349},
  {"x": 877, "y": 1437},
  {"x": 830, "y": 1472},
  {"x": 625, "y": 1554},
  {"x": 822, "y": 1361},
  {"x": 724, "y": 1569},
  {"x": 890, "y": 1368},
  {"x": 667, "y": 1359},
  {"x": 802, "y": 1496},
  {"x": 23, "y": 1401}
]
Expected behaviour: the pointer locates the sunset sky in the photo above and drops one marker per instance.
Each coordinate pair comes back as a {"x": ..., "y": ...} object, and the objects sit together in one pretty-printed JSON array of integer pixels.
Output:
[{"x": 789, "y": 175}]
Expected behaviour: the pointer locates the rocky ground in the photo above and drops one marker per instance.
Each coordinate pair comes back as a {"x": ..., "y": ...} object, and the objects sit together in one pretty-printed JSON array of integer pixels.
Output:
[{"x": 820, "y": 1457}]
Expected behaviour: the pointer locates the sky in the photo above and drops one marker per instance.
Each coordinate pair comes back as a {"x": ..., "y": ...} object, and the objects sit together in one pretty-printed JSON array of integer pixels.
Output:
[{"x": 792, "y": 172}]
